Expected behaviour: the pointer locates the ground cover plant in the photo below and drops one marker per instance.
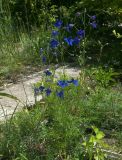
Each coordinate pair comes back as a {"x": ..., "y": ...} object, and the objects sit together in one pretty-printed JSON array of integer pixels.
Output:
[{"x": 78, "y": 117}]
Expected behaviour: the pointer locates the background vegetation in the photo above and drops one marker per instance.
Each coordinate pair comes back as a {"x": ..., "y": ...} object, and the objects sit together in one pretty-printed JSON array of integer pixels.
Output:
[{"x": 25, "y": 26}]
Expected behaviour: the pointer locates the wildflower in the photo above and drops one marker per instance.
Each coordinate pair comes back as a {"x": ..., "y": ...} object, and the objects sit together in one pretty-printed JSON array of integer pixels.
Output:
[
  {"x": 54, "y": 43},
  {"x": 69, "y": 27},
  {"x": 48, "y": 73},
  {"x": 73, "y": 81},
  {"x": 55, "y": 33},
  {"x": 60, "y": 94},
  {"x": 58, "y": 23},
  {"x": 41, "y": 51},
  {"x": 81, "y": 33},
  {"x": 76, "y": 40},
  {"x": 93, "y": 24},
  {"x": 41, "y": 88},
  {"x": 48, "y": 91},
  {"x": 69, "y": 41},
  {"x": 93, "y": 17},
  {"x": 43, "y": 59},
  {"x": 62, "y": 83}
]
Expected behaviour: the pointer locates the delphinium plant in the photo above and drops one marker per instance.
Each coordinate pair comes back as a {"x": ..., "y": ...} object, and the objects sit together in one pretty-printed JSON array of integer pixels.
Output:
[
  {"x": 61, "y": 125},
  {"x": 62, "y": 89},
  {"x": 66, "y": 40}
]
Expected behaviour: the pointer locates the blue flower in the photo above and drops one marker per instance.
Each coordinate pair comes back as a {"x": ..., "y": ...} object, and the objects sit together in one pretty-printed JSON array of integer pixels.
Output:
[
  {"x": 62, "y": 83},
  {"x": 69, "y": 27},
  {"x": 69, "y": 41},
  {"x": 93, "y": 24},
  {"x": 58, "y": 23},
  {"x": 60, "y": 94},
  {"x": 48, "y": 91},
  {"x": 48, "y": 73},
  {"x": 93, "y": 17},
  {"x": 43, "y": 59},
  {"x": 76, "y": 40},
  {"x": 54, "y": 43},
  {"x": 41, "y": 51},
  {"x": 81, "y": 33},
  {"x": 41, "y": 88},
  {"x": 73, "y": 81},
  {"x": 55, "y": 33}
]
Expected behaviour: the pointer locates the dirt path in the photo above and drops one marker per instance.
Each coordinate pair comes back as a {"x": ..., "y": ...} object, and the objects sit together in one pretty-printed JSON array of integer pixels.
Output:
[{"x": 23, "y": 90}]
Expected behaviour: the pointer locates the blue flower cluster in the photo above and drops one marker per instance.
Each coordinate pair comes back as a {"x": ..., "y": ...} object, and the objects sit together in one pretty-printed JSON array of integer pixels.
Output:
[
  {"x": 61, "y": 83},
  {"x": 65, "y": 83},
  {"x": 69, "y": 40},
  {"x": 38, "y": 90}
]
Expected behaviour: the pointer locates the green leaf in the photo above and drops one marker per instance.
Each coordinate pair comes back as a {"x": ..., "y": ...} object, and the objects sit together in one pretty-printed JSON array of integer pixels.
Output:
[
  {"x": 96, "y": 130},
  {"x": 100, "y": 135},
  {"x": 92, "y": 139}
]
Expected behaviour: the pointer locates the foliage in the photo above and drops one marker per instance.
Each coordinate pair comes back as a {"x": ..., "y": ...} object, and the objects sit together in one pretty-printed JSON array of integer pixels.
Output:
[
  {"x": 38, "y": 12},
  {"x": 104, "y": 77},
  {"x": 95, "y": 143},
  {"x": 117, "y": 34},
  {"x": 32, "y": 12}
]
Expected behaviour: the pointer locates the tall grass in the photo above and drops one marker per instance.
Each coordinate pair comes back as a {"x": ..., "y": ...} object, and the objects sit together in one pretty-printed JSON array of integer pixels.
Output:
[{"x": 19, "y": 44}]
